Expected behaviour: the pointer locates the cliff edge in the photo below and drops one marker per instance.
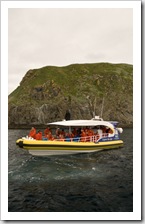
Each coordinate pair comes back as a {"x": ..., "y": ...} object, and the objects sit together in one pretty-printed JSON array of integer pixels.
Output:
[{"x": 45, "y": 94}]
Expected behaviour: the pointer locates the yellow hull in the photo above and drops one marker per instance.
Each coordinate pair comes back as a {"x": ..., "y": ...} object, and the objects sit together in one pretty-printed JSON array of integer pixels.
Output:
[{"x": 47, "y": 148}]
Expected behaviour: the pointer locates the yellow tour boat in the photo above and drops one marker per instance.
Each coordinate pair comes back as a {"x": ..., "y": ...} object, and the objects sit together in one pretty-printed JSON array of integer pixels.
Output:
[{"x": 98, "y": 140}]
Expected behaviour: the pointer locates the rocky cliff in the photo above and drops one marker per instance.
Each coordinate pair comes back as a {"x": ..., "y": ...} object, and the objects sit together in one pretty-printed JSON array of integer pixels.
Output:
[{"x": 45, "y": 94}]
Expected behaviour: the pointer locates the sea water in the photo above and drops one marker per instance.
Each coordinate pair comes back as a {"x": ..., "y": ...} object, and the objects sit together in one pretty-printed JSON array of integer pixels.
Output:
[{"x": 92, "y": 182}]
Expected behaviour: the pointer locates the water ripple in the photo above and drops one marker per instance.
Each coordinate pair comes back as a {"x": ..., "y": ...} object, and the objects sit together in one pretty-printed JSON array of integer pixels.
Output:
[{"x": 94, "y": 182}]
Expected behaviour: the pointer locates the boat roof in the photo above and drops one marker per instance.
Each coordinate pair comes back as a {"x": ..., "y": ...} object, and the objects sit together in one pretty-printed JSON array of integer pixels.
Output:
[{"x": 81, "y": 123}]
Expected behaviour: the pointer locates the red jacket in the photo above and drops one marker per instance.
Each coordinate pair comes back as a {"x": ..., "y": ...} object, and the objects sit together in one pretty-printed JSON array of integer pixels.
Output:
[
  {"x": 32, "y": 133},
  {"x": 38, "y": 136}
]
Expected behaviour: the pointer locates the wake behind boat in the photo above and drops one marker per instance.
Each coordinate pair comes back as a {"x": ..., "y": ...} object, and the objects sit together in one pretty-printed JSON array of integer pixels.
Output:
[{"x": 81, "y": 136}]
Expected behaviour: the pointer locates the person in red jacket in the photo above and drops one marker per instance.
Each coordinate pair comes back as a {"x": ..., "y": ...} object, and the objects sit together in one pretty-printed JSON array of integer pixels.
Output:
[
  {"x": 38, "y": 136},
  {"x": 83, "y": 136},
  {"x": 32, "y": 132},
  {"x": 47, "y": 131}
]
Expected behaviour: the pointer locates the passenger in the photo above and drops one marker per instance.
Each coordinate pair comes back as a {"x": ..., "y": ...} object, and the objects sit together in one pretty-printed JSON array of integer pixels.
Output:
[
  {"x": 32, "y": 132},
  {"x": 109, "y": 131},
  {"x": 61, "y": 137},
  {"x": 71, "y": 135},
  {"x": 79, "y": 132},
  {"x": 100, "y": 133},
  {"x": 90, "y": 132},
  {"x": 103, "y": 129},
  {"x": 50, "y": 136},
  {"x": 38, "y": 136},
  {"x": 74, "y": 131},
  {"x": 57, "y": 132},
  {"x": 62, "y": 132},
  {"x": 89, "y": 135},
  {"x": 67, "y": 137},
  {"x": 76, "y": 138},
  {"x": 97, "y": 134},
  {"x": 47, "y": 131},
  {"x": 83, "y": 136}
]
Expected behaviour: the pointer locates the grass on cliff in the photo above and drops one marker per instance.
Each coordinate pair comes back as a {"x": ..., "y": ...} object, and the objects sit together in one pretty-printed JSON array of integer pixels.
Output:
[{"x": 76, "y": 80}]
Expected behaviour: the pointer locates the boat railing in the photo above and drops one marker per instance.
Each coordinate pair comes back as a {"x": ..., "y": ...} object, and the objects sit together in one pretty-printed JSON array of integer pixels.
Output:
[{"x": 93, "y": 138}]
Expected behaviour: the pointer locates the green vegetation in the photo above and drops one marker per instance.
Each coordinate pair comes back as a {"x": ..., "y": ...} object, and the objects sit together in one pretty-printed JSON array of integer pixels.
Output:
[
  {"x": 74, "y": 80},
  {"x": 80, "y": 87}
]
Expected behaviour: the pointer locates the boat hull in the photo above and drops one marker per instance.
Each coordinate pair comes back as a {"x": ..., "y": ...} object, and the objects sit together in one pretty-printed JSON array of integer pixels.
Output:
[{"x": 48, "y": 148}]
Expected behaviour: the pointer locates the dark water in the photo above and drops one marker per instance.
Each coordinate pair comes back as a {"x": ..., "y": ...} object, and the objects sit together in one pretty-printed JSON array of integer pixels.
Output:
[{"x": 94, "y": 182}]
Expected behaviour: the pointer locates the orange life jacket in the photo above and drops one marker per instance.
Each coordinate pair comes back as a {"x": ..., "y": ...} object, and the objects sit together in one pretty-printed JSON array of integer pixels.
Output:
[{"x": 32, "y": 133}]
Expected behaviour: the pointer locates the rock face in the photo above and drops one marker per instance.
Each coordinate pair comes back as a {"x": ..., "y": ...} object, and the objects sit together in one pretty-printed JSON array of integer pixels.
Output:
[{"x": 45, "y": 94}]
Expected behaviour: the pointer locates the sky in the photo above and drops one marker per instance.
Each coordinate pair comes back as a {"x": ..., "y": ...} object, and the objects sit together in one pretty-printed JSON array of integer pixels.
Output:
[
  {"x": 61, "y": 36},
  {"x": 40, "y": 37}
]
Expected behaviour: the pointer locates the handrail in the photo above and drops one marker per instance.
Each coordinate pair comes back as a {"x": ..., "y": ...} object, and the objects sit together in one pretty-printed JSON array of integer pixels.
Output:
[{"x": 93, "y": 138}]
